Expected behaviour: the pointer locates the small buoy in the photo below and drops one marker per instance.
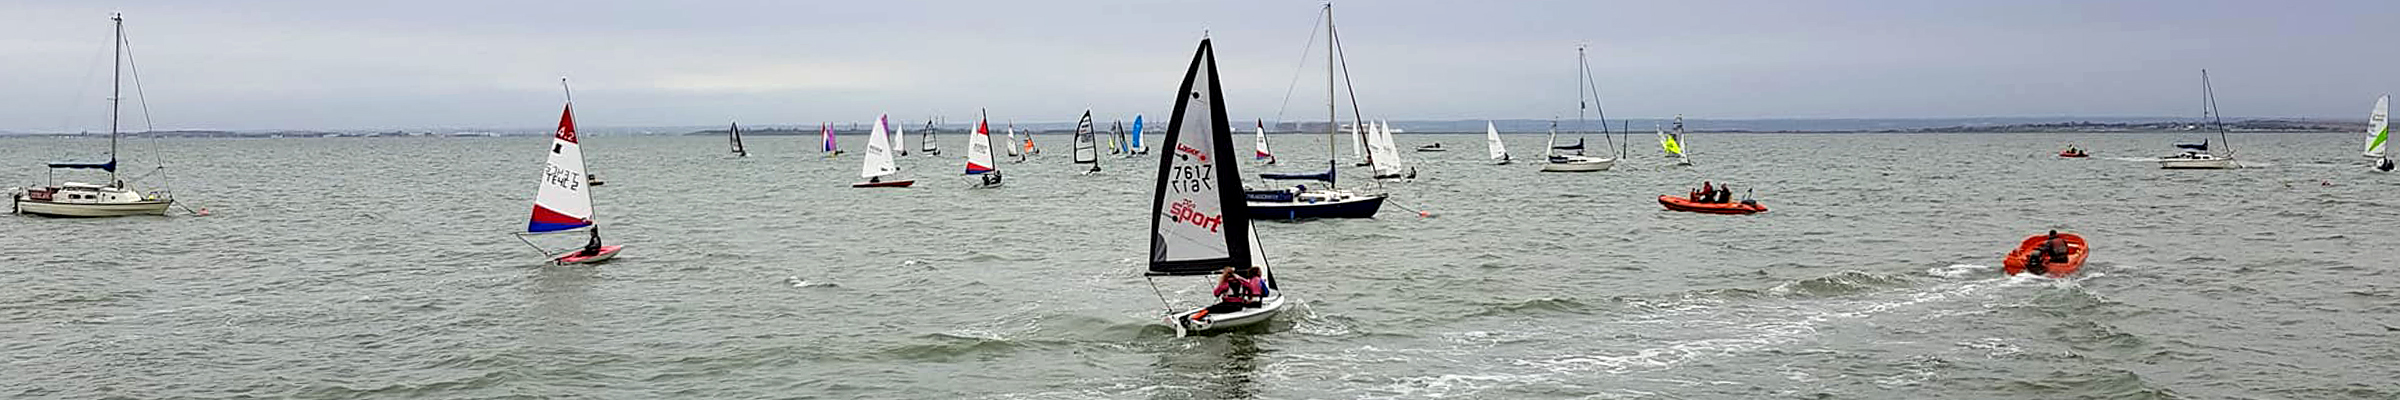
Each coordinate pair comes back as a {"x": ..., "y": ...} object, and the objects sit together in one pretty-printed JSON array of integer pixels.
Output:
[{"x": 1422, "y": 214}]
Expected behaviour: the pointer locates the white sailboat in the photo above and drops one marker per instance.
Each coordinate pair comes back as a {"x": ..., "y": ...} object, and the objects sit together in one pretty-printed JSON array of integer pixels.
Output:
[
  {"x": 1261, "y": 135},
  {"x": 899, "y": 140},
  {"x": 734, "y": 134},
  {"x": 1491, "y": 138},
  {"x": 1386, "y": 154},
  {"x": 2379, "y": 130},
  {"x": 1301, "y": 202},
  {"x": 878, "y": 163},
  {"x": 1560, "y": 162},
  {"x": 2201, "y": 156},
  {"x": 1672, "y": 143},
  {"x": 927, "y": 139},
  {"x": 563, "y": 202},
  {"x": 979, "y": 154},
  {"x": 1358, "y": 145},
  {"x": 1086, "y": 148},
  {"x": 1198, "y": 223},
  {"x": 113, "y": 199},
  {"x": 825, "y": 130}
]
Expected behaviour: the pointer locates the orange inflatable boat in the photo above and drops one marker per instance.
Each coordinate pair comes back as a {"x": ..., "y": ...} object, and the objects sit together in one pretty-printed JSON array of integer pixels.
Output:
[
  {"x": 2076, "y": 251},
  {"x": 1678, "y": 203}
]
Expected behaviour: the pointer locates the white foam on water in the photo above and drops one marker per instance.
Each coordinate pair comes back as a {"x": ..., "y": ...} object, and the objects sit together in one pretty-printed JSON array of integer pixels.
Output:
[{"x": 1959, "y": 270}]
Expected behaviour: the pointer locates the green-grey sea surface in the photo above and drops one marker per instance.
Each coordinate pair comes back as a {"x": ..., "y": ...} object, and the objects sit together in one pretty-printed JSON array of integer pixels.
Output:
[{"x": 342, "y": 268}]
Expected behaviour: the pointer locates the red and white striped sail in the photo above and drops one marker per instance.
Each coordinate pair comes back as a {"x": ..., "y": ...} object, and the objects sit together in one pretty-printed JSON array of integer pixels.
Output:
[
  {"x": 979, "y": 149},
  {"x": 564, "y": 201}
]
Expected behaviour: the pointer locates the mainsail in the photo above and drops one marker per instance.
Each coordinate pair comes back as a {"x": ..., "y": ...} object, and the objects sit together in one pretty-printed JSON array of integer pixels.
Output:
[
  {"x": 1385, "y": 152},
  {"x": 2379, "y": 128},
  {"x": 735, "y": 134},
  {"x": 1262, "y": 143},
  {"x": 878, "y": 161},
  {"x": 1198, "y": 215},
  {"x": 979, "y": 150},
  {"x": 927, "y": 139},
  {"x": 1087, "y": 150},
  {"x": 1137, "y": 136},
  {"x": 563, "y": 201},
  {"x": 1491, "y": 136},
  {"x": 826, "y": 130},
  {"x": 899, "y": 140}
]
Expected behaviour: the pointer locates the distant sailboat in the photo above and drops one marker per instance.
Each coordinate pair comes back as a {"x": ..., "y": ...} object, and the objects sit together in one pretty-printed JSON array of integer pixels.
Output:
[
  {"x": 1578, "y": 162},
  {"x": 1116, "y": 139},
  {"x": 979, "y": 154},
  {"x": 1011, "y": 144},
  {"x": 927, "y": 139},
  {"x": 1086, "y": 149},
  {"x": 1301, "y": 202},
  {"x": 563, "y": 202},
  {"x": 878, "y": 161},
  {"x": 900, "y": 140},
  {"x": 735, "y": 134},
  {"x": 830, "y": 150},
  {"x": 1137, "y": 136},
  {"x": 1386, "y": 154},
  {"x": 2202, "y": 157},
  {"x": 1198, "y": 220},
  {"x": 1262, "y": 144},
  {"x": 2379, "y": 130},
  {"x": 1491, "y": 137},
  {"x": 1672, "y": 143}
]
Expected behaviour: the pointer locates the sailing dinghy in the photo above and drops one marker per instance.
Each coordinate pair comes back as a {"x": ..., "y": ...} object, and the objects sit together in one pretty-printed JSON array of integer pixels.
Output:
[
  {"x": 878, "y": 162},
  {"x": 735, "y": 134},
  {"x": 2379, "y": 130},
  {"x": 1491, "y": 137},
  {"x": 1086, "y": 147},
  {"x": 1136, "y": 141},
  {"x": 1198, "y": 223},
  {"x": 927, "y": 140},
  {"x": 1672, "y": 143},
  {"x": 563, "y": 203},
  {"x": 1261, "y": 134},
  {"x": 830, "y": 150},
  {"x": 979, "y": 154}
]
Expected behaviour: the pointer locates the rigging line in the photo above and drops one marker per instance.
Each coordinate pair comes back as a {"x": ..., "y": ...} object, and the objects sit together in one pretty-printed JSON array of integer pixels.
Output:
[
  {"x": 1287, "y": 90},
  {"x": 1333, "y": 40},
  {"x": 1594, "y": 86},
  {"x": 157, "y": 153},
  {"x": 1162, "y": 296}
]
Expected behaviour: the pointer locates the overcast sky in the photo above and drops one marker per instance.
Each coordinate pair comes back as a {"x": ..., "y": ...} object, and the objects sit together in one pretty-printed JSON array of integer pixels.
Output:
[{"x": 311, "y": 64}]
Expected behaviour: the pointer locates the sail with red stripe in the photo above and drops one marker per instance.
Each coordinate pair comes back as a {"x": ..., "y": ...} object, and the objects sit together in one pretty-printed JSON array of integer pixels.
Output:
[
  {"x": 564, "y": 201},
  {"x": 979, "y": 149}
]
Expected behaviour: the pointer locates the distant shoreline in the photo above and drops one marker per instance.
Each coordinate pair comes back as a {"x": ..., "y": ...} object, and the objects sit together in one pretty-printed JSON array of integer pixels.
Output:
[{"x": 2276, "y": 125}]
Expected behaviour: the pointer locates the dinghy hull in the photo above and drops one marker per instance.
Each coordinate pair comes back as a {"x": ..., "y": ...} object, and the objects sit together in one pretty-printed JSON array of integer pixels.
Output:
[
  {"x": 2076, "y": 252},
  {"x": 1675, "y": 203},
  {"x": 1185, "y": 325},
  {"x": 606, "y": 253},
  {"x": 1579, "y": 166},
  {"x": 884, "y": 184}
]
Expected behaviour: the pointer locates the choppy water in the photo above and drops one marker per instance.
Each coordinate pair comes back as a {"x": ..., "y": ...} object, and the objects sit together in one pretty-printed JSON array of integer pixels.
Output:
[{"x": 383, "y": 268}]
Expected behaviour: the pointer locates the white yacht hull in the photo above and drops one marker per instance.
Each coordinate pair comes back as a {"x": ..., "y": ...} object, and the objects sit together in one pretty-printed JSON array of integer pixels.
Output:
[
  {"x": 1186, "y": 326},
  {"x": 90, "y": 210},
  {"x": 2209, "y": 163},
  {"x": 1579, "y": 166}
]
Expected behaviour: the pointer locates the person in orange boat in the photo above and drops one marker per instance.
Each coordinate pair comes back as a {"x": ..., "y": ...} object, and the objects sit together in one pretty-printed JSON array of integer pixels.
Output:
[
  {"x": 2052, "y": 250},
  {"x": 1707, "y": 189}
]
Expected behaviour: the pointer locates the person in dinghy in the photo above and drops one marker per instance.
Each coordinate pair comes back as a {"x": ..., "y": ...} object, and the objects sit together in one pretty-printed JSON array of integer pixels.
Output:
[{"x": 1236, "y": 290}]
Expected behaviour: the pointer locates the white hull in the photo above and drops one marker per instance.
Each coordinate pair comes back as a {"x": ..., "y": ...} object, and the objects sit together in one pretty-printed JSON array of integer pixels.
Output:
[
  {"x": 1580, "y": 165},
  {"x": 1185, "y": 325},
  {"x": 2205, "y": 163},
  {"x": 82, "y": 210}
]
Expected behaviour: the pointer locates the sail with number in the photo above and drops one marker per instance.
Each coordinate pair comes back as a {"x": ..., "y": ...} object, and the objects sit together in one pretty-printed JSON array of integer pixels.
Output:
[
  {"x": 878, "y": 161},
  {"x": 979, "y": 150},
  {"x": 1491, "y": 137},
  {"x": 564, "y": 200},
  {"x": 1087, "y": 149},
  {"x": 2379, "y": 128},
  {"x": 735, "y": 134},
  {"x": 1199, "y": 221}
]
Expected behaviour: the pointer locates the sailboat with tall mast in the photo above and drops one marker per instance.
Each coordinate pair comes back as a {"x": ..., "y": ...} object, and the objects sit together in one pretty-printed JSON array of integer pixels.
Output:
[
  {"x": 878, "y": 162},
  {"x": 1263, "y": 154},
  {"x": 1197, "y": 222},
  {"x": 1672, "y": 143},
  {"x": 1491, "y": 138},
  {"x": 563, "y": 202},
  {"x": 2202, "y": 156},
  {"x": 825, "y": 130},
  {"x": 926, "y": 139},
  {"x": 112, "y": 199},
  {"x": 1086, "y": 149},
  {"x": 734, "y": 134},
  {"x": 979, "y": 154},
  {"x": 2379, "y": 131},
  {"x": 1577, "y": 162},
  {"x": 1385, "y": 154},
  {"x": 1300, "y": 201}
]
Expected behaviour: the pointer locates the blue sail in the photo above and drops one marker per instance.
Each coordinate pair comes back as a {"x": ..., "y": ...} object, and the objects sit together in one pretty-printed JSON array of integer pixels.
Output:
[{"x": 1137, "y": 132}]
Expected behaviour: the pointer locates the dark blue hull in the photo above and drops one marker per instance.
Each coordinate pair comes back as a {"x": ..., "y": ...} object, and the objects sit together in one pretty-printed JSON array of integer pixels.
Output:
[{"x": 1364, "y": 207}]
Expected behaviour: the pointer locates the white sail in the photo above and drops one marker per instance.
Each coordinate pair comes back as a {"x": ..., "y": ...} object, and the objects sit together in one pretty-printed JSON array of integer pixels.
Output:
[
  {"x": 564, "y": 201},
  {"x": 1261, "y": 134},
  {"x": 900, "y": 140},
  {"x": 1491, "y": 136},
  {"x": 735, "y": 133},
  {"x": 1386, "y": 151},
  {"x": 1086, "y": 148},
  {"x": 2379, "y": 128},
  {"x": 878, "y": 161},
  {"x": 1012, "y": 142},
  {"x": 1198, "y": 218},
  {"x": 979, "y": 150},
  {"x": 1358, "y": 142}
]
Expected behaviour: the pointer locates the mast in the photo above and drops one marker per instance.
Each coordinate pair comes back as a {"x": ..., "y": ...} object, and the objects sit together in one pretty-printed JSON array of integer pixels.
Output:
[
  {"x": 1333, "y": 119},
  {"x": 116, "y": 93},
  {"x": 2208, "y": 93}
]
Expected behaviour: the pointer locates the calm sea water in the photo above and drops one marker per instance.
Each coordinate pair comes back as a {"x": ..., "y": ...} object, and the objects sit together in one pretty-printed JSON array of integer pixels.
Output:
[{"x": 384, "y": 268}]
